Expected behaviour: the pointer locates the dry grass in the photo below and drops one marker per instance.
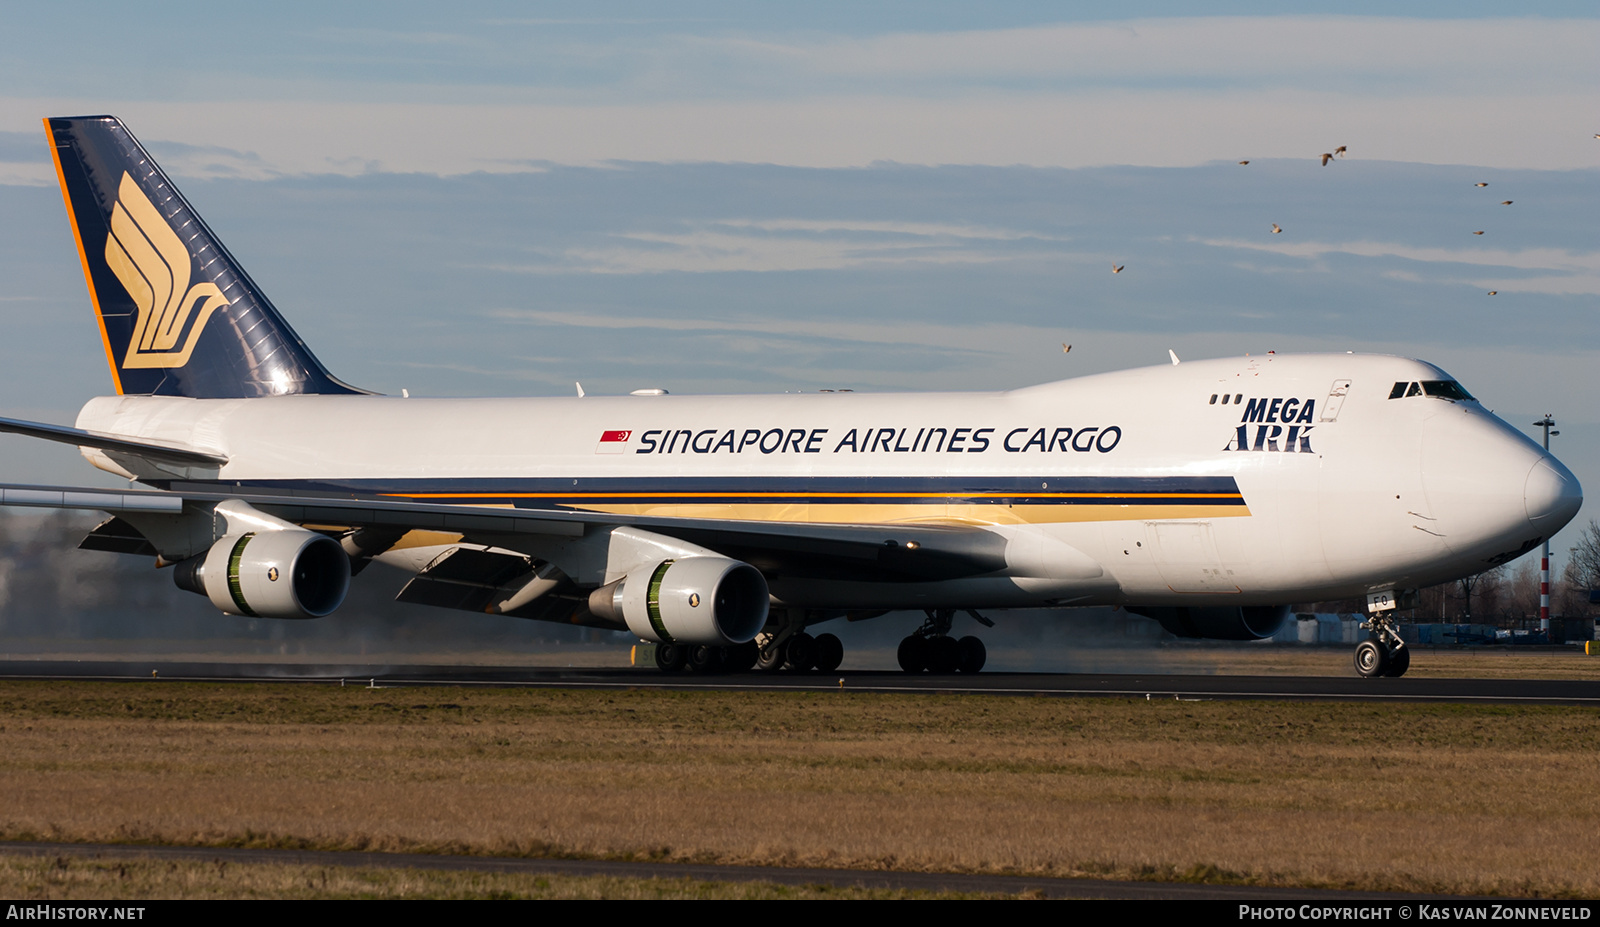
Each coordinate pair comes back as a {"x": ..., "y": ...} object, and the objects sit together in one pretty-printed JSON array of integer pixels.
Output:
[
  {"x": 128, "y": 878},
  {"x": 1480, "y": 799}
]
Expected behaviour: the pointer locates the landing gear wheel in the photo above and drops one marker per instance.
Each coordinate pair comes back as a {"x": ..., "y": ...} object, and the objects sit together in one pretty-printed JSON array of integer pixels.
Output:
[
  {"x": 1399, "y": 662},
  {"x": 944, "y": 655},
  {"x": 913, "y": 654},
  {"x": 740, "y": 657},
  {"x": 830, "y": 653},
  {"x": 704, "y": 659},
  {"x": 802, "y": 652},
  {"x": 973, "y": 654},
  {"x": 1372, "y": 658},
  {"x": 771, "y": 659},
  {"x": 670, "y": 657}
]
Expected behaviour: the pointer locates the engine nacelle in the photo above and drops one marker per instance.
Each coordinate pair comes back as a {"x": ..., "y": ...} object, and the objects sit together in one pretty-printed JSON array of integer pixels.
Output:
[
  {"x": 270, "y": 574},
  {"x": 693, "y": 600},
  {"x": 1224, "y": 623}
]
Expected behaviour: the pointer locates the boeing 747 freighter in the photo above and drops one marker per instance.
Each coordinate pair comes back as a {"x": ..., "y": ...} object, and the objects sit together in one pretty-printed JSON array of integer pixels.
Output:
[{"x": 1206, "y": 495}]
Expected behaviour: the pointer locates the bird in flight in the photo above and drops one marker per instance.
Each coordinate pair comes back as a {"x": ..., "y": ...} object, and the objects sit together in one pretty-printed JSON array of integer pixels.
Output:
[
  {"x": 1326, "y": 157},
  {"x": 1494, "y": 292},
  {"x": 1276, "y": 228},
  {"x": 1117, "y": 268},
  {"x": 1339, "y": 151},
  {"x": 1505, "y": 202},
  {"x": 1247, "y": 162},
  {"x": 1480, "y": 185},
  {"x": 1065, "y": 348},
  {"x": 1479, "y": 232}
]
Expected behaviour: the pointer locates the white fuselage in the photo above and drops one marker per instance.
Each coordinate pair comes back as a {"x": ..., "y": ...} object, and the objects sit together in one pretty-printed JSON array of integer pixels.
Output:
[{"x": 1137, "y": 487}]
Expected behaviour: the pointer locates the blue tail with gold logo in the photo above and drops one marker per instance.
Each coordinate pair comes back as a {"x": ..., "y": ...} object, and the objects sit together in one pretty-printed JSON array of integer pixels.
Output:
[{"x": 178, "y": 315}]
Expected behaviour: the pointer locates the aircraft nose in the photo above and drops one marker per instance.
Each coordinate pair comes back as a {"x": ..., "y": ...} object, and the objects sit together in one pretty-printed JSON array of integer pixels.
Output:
[
  {"x": 1552, "y": 495},
  {"x": 1489, "y": 488}
]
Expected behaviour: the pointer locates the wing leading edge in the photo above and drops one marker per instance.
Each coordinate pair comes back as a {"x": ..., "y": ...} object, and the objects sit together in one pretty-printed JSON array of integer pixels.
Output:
[{"x": 904, "y": 552}]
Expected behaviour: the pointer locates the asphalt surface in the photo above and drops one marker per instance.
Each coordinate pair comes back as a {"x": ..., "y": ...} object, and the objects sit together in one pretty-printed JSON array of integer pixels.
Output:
[{"x": 1330, "y": 688}]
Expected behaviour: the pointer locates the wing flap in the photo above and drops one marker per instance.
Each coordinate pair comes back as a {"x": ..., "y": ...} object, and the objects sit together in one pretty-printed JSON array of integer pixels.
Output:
[
  {"x": 466, "y": 579},
  {"x": 118, "y": 537}
]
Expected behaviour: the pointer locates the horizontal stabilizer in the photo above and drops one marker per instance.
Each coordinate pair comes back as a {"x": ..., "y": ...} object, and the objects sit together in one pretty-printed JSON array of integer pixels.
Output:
[{"x": 141, "y": 447}]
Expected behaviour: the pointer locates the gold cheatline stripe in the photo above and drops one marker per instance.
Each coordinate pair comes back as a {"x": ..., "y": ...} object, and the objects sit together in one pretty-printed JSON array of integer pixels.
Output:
[{"x": 880, "y": 512}]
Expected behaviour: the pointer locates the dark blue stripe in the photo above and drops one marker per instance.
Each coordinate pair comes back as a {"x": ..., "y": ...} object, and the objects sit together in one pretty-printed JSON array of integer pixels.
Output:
[{"x": 567, "y": 491}]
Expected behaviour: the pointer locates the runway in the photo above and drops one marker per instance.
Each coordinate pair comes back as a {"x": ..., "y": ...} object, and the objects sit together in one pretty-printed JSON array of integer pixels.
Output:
[
  {"x": 1033, "y": 886},
  {"x": 1324, "y": 688}
]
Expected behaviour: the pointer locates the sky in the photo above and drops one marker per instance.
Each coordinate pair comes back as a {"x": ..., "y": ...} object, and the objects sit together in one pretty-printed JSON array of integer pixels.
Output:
[{"x": 502, "y": 199}]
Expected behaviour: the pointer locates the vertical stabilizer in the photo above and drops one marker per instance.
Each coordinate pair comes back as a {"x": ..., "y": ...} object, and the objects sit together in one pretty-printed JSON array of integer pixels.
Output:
[{"x": 178, "y": 316}]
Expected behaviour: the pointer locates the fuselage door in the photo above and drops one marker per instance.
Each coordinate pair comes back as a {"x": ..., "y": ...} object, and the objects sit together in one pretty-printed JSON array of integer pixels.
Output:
[
  {"x": 1186, "y": 555},
  {"x": 1336, "y": 394}
]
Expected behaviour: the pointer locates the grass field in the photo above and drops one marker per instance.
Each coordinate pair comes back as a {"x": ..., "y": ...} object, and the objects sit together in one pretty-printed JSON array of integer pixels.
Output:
[
  {"x": 1452, "y": 798},
  {"x": 113, "y": 877}
]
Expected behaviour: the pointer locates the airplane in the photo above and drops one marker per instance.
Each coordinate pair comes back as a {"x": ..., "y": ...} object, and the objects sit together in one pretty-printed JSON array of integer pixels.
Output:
[{"x": 1205, "y": 495}]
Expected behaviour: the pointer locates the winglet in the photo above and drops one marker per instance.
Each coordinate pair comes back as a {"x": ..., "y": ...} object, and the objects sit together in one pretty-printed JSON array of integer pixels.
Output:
[{"x": 1174, "y": 355}]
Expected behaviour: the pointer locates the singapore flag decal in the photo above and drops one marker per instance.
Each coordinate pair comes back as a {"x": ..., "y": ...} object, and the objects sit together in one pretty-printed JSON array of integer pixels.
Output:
[{"x": 613, "y": 442}]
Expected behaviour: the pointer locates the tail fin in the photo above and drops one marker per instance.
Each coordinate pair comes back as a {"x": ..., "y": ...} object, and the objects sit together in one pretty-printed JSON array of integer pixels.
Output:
[{"x": 178, "y": 316}]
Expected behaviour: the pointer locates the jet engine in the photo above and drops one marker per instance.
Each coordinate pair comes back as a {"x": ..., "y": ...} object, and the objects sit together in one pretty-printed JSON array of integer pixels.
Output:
[
  {"x": 1236, "y": 623},
  {"x": 692, "y": 600},
  {"x": 270, "y": 574}
]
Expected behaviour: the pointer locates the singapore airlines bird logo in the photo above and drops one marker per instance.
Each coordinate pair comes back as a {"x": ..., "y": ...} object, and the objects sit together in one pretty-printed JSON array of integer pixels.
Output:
[{"x": 154, "y": 267}]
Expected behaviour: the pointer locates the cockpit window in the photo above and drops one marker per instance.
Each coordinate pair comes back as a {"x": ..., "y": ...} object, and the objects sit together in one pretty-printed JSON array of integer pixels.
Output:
[
  {"x": 1446, "y": 389},
  {"x": 1438, "y": 389}
]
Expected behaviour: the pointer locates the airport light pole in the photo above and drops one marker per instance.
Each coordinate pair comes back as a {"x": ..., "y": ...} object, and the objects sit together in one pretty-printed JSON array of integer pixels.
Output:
[{"x": 1546, "y": 423}]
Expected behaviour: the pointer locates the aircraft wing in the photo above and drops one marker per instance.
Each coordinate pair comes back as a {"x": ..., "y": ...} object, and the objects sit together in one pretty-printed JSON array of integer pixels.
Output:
[{"x": 903, "y": 551}]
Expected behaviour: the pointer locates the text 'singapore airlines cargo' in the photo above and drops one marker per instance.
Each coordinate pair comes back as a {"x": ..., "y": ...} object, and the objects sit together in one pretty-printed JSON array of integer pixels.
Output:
[{"x": 1206, "y": 495}]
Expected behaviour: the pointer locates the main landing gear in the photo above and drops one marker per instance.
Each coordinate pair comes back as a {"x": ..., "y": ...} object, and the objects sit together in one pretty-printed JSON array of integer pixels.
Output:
[
  {"x": 931, "y": 647},
  {"x": 801, "y": 653},
  {"x": 1383, "y": 654},
  {"x": 672, "y": 658},
  {"x": 785, "y": 646}
]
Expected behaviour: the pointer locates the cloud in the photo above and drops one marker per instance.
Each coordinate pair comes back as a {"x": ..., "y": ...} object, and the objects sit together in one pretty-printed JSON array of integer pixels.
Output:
[
  {"x": 1311, "y": 52},
  {"x": 976, "y": 338},
  {"x": 758, "y": 245},
  {"x": 1494, "y": 92},
  {"x": 1579, "y": 271}
]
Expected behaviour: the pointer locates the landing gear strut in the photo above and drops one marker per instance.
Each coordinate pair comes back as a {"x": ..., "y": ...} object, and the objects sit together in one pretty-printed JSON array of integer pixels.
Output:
[
  {"x": 1383, "y": 654},
  {"x": 786, "y": 646},
  {"x": 931, "y": 647}
]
